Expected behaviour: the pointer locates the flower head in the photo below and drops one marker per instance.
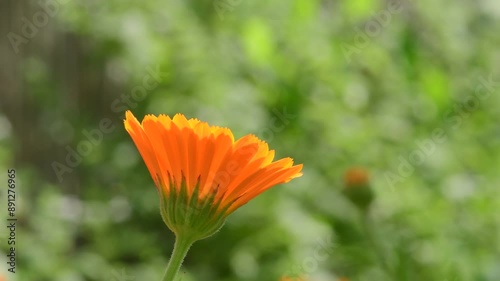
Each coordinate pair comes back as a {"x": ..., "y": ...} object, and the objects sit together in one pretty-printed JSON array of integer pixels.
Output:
[
  {"x": 201, "y": 172},
  {"x": 287, "y": 278},
  {"x": 355, "y": 177},
  {"x": 357, "y": 187}
]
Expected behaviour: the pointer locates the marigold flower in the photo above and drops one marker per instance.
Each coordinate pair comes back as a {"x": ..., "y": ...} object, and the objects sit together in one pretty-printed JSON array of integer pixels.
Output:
[
  {"x": 287, "y": 278},
  {"x": 355, "y": 177},
  {"x": 357, "y": 187},
  {"x": 201, "y": 172}
]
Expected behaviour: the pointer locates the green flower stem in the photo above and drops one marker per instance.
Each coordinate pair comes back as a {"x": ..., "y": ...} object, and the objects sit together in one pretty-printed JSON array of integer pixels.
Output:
[
  {"x": 370, "y": 235},
  {"x": 181, "y": 247}
]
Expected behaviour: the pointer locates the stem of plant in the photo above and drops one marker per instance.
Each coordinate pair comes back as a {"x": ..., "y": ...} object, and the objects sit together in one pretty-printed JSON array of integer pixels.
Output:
[
  {"x": 181, "y": 247},
  {"x": 373, "y": 242}
]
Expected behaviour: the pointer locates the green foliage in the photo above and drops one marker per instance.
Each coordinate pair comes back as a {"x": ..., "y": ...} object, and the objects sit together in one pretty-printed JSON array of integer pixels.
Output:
[{"x": 408, "y": 100}]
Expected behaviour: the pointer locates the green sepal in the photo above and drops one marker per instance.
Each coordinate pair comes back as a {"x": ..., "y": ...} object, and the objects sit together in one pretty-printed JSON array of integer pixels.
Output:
[
  {"x": 362, "y": 196},
  {"x": 190, "y": 216}
]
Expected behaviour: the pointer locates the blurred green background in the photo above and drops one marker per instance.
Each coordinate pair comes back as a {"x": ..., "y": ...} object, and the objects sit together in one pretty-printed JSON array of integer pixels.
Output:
[{"x": 406, "y": 89}]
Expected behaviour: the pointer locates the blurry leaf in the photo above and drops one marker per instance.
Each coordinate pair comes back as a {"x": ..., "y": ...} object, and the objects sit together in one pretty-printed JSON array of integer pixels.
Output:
[
  {"x": 360, "y": 9},
  {"x": 258, "y": 42},
  {"x": 304, "y": 10},
  {"x": 435, "y": 85}
]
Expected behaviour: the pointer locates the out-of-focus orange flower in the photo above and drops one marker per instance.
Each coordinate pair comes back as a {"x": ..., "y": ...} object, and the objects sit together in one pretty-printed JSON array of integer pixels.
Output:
[
  {"x": 355, "y": 177},
  {"x": 201, "y": 172},
  {"x": 343, "y": 279},
  {"x": 287, "y": 278},
  {"x": 357, "y": 187}
]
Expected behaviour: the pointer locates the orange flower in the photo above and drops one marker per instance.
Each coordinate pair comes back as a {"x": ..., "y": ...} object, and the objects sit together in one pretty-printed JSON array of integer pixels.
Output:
[
  {"x": 356, "y": 177},
  {"x": 287, "y": 278},
  {"x": 357, "y": 188},
  {"x": 202, "y": 174}
]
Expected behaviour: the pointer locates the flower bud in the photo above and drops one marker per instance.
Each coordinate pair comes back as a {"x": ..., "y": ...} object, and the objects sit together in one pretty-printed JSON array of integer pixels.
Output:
[
  {"x": 357, "y": 187},
  {"x": 288, "y": 278}
]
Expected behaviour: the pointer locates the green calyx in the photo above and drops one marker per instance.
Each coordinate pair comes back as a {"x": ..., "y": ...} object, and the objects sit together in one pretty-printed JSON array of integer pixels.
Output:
[
  {"x": 189, "y": 216},
  {"x": 361, "y": 195}
]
